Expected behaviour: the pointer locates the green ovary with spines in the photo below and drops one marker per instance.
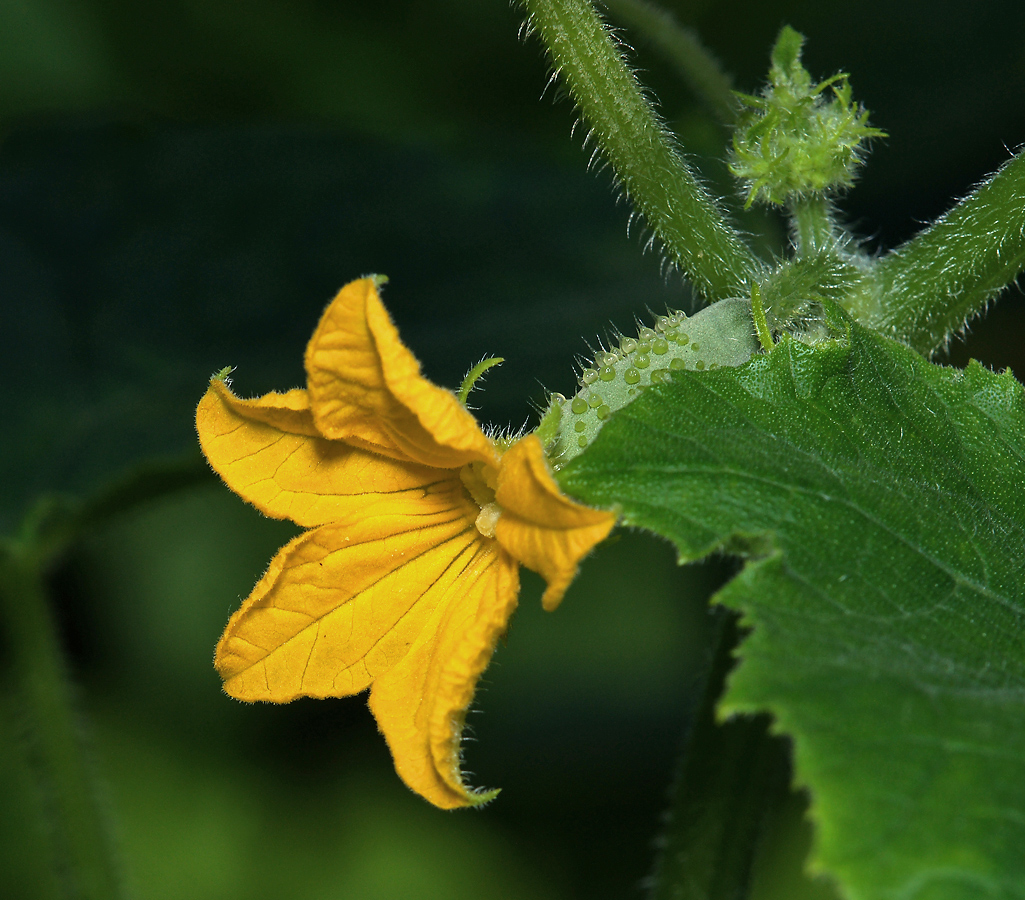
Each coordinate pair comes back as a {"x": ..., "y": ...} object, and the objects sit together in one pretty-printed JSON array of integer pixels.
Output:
[{"x": 719, "y": 335}]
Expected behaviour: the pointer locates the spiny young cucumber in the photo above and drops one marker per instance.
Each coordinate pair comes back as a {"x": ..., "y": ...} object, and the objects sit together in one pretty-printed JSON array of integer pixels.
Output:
[{"x": 722, "y": 334}]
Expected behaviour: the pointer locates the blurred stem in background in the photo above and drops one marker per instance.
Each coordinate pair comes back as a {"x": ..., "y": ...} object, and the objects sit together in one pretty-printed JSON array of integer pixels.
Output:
[
  {"x": 57, "y": 740},
  {"x": 680, "y": 46},
  {"x": 730, "y": 778}
]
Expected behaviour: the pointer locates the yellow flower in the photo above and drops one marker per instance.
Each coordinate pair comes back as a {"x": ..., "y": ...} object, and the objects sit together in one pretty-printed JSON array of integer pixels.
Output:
[{"x": 418, "y": 523}]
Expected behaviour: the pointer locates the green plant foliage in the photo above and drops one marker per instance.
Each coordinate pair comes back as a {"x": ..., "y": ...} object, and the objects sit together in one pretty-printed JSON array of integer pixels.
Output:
[{"x": 877, "y": 497}]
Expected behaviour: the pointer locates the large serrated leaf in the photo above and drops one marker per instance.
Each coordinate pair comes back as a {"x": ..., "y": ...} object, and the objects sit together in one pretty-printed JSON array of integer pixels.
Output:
[{"x": 879, "y": 498}]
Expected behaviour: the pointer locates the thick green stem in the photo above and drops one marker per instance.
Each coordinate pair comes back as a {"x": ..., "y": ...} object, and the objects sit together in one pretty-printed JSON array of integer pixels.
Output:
[
  {"x": 928, "y": 288},
  {"x": 691, "y": 59},
  {"x": 677, "y": 208},
  {"x": 80, "y": 830}
]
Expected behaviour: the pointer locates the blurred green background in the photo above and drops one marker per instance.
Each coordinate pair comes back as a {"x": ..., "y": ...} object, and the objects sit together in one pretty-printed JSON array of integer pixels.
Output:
[{"x": 183, "y": 186}]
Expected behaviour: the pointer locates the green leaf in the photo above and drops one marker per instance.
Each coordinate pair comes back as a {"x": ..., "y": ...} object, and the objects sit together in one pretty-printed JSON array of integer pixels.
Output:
[
  {"x": 786, "y": 55},
  {"x": 878, "y": 498}
]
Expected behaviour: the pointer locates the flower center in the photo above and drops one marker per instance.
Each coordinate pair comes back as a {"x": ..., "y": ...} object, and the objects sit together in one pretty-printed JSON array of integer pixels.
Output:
[{"x": 480, "y": 481}]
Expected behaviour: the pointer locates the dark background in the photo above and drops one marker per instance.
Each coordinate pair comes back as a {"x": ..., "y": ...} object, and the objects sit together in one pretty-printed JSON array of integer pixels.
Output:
[{"x": 183, "y": 186}]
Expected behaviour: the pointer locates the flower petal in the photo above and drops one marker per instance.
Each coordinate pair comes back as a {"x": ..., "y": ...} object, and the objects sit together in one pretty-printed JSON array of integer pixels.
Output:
[
  {"x": 342, "y": 604},
  {"x": 421, "y": 704},
  {"x": 539, "y": 525},
  {"x": 366, "y": 388},
  {"x": 270, "y": 453}
]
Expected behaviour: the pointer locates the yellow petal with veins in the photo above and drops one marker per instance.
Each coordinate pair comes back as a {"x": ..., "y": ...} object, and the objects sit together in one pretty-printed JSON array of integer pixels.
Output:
[
  {"x": 342, "y": 604},
  {"x": 270, "y": 453},
  {"x": 366, "y": 388},
  {"x": 539, "y": 525},
  {"x": 410, "y": 573},
  {"x": 420, "y": 705}
]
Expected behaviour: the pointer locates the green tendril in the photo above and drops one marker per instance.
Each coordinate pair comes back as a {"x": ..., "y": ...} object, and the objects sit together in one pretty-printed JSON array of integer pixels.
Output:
[
  {"x": 474, "y": 375},
  {"x": 761, "y": 324}
]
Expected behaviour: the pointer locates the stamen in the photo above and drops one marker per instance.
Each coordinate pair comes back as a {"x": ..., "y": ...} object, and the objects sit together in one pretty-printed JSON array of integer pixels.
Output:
[{"x": 488, "y": 519}]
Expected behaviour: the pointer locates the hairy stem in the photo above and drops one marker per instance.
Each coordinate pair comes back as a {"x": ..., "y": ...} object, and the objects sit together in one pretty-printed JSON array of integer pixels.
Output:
[
  {"x": 642, "y": 152},
  {"x": 929, "y": 287},
  {"x": 813, "y": 228},
  {"x": 79, "y": 828},
  {"x": 681, "y": 46}
]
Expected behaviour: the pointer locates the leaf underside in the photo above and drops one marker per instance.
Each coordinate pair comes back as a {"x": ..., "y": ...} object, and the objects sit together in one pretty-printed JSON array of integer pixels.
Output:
[{"x": 878, "y": 498}]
